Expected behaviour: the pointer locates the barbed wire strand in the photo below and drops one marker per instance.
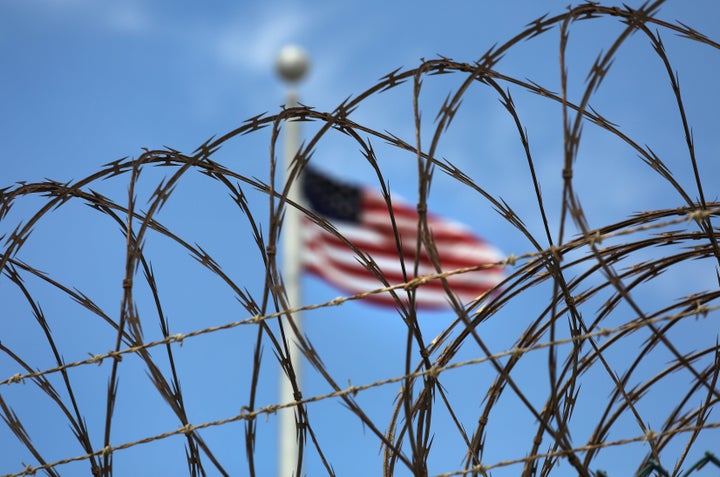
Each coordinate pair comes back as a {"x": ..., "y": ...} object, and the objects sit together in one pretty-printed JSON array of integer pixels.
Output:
[{"x": 594, "y": 237}]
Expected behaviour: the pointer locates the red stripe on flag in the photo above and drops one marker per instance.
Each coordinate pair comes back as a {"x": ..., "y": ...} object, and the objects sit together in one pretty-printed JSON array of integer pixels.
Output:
[{"x": 328, "y": 257}]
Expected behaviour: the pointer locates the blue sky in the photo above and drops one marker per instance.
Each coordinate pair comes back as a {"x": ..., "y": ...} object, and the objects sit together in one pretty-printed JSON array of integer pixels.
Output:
[{"x": 84, "y": 83}]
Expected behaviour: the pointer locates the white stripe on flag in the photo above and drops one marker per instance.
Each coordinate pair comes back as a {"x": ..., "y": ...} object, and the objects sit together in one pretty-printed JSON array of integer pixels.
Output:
[{"x": 330, "y": 258}]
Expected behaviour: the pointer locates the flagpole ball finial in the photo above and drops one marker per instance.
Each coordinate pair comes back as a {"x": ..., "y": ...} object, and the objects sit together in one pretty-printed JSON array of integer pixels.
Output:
[{"x": 292, "y": 63}]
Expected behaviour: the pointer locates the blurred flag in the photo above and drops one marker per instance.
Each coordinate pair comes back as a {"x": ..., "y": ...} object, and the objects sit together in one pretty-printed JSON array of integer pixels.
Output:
[{"x": 361, "y": 216}]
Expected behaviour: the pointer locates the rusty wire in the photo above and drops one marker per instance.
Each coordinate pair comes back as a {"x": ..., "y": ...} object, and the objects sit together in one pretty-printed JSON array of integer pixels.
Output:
[{"x": 589, "y": 283}]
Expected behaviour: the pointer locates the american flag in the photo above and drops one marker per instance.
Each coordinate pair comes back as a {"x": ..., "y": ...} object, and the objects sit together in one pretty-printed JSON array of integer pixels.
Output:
[{"x": 361, "y": 216}]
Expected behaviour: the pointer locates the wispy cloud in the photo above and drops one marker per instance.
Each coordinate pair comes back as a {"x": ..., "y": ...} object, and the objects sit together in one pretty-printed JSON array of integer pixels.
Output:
[
  {"x": 253, "y": 41},
  {"x": 127, "y": 17}
]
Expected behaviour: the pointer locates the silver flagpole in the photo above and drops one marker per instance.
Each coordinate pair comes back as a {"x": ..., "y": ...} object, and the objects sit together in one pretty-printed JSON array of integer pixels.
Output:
[{"x": 292, "y": 64}]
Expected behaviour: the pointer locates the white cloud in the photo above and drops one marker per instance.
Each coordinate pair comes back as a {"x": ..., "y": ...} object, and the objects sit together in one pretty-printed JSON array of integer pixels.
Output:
[
  {"x": 127, "y": 17},
  {"x": 254, "y": 46}
]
